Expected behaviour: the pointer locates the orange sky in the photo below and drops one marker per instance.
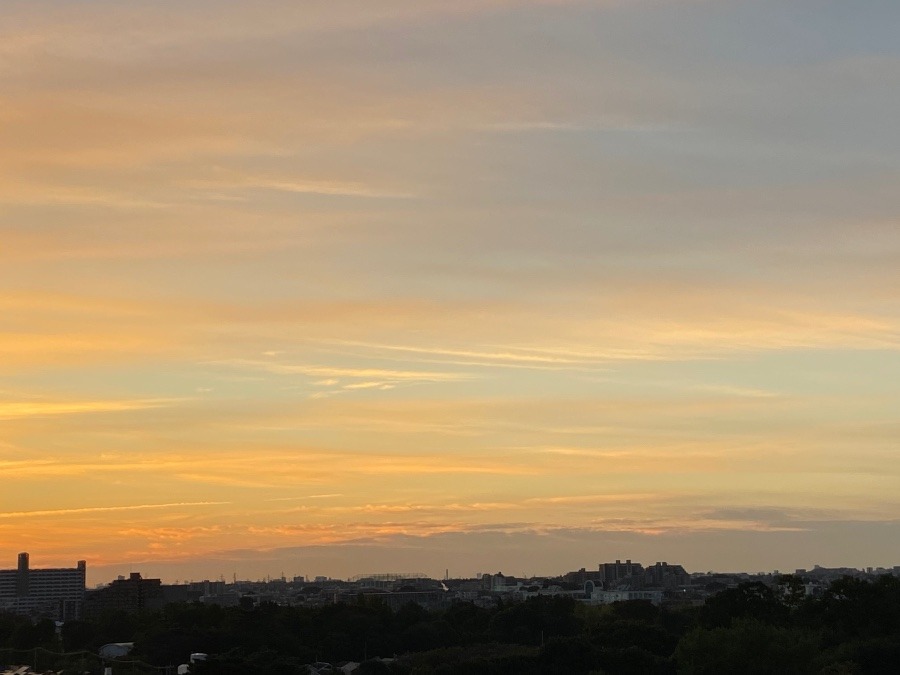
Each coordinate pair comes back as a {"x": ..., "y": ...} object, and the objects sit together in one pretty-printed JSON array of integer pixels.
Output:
[{"x": 315, "y": 287}]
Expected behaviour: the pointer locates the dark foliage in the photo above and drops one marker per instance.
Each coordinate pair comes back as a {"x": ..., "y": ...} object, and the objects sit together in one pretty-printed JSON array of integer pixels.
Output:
[
  {"x": 753, "y": 600},
  {"x": 535, "y": 620},
  {"x": 853, "y": 628}
]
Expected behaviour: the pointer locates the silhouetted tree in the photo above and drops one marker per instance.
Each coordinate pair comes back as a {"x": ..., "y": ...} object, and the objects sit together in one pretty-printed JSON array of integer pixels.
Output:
[
  {"x": 751, "y": 600},
  {"x": 747, "y": 647}
]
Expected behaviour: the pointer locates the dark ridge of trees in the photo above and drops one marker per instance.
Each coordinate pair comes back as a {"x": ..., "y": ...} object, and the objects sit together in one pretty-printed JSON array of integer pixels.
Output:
[{"x": 854, "y": 627}]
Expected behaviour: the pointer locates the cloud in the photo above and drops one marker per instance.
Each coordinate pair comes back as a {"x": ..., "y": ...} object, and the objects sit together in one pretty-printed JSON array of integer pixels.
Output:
[
  {"x": 334, "y": 372},
  {"x": 40, "y": 408},
  {"x": 240, "y": 468},
  {"x": 102, "y": 509},
  {"x": 370, "y": 385},
  {"x": 547, "y": 550},
  {"x": 305, "y": 497},
  {"x": 313, "y": 187},
  {"x": 659, "y": 275},
  {"x": 511, "y": 356}
]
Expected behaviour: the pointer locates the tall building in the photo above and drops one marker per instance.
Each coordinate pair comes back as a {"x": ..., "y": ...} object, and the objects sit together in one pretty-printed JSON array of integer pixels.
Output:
[
  {"x": 611, "y": 573},
  {"x": 664, "y": 575},
  {"x": 43, "y": 593},
  {"x": 127, "y": 594}
]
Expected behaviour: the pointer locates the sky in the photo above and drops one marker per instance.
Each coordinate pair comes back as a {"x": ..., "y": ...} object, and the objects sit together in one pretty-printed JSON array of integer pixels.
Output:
[{"x": 339, "y": 287}]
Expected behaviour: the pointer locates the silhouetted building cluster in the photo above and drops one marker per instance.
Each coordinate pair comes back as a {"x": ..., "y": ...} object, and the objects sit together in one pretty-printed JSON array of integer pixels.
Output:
[
  {"x": 630, "y": 575},
  {"x": 613, "y": 573},
  {"x": 56, "y": 593},
  {"x": 60, "y": 593},
  {"x": 131, "y": 594}
]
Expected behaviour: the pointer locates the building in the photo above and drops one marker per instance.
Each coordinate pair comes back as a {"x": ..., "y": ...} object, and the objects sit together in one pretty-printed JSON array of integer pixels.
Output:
[
  {"x": 582, "y": 576},
  {"x": 601, "y": 597},
  {"x": 499, "y": 583},
  {"x": 132, "y": 594},
  {"x": 664, "y": 575},
  {"x": 192, "y": 591},
  {"x": 611, "y": 573},
  {"x": 56, "y": 593}
]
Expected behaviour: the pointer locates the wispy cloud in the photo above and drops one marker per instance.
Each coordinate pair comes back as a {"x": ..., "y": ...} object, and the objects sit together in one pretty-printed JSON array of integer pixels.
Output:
[
  {"x": 333, "y": 372},
  {"x": 370, "y": 385},
  {"x": 311, "y": 187},
  {"x": 241, "y": 468},
  {"x": 499, "y": 269},
  {"x": 331, "y": 495},
  {"x": 103, "y": 509},
  {"x": 505, "y": 357},
  {"x": 40, "y": 408}
]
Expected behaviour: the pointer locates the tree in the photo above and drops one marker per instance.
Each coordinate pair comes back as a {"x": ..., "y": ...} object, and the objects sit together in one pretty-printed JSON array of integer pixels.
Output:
[
  {"x": 747, "y": 647},
  {"x": 28, "y": 636},
  {"x": 468, "y": 620},
  {"x": 791, "y": 590},
  {"x": 78, "y": 635},
  {"x": 751, "y": 600}
]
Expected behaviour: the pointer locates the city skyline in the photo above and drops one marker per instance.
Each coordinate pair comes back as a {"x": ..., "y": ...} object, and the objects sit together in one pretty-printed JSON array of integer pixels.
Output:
[
  {"x": 317, "y": 285},
  {"x": 54, "y": 581}
]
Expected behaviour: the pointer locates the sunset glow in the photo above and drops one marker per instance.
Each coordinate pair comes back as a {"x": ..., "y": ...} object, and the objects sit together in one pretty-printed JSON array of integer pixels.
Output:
[{"x": 332, "y": 287}]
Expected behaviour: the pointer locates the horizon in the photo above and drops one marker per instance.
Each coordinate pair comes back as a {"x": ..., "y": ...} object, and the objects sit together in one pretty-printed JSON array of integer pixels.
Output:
[
  {"x": 325, "y": 560},
  {"x": 120, "y": 574},
  {"x": 519, "y": 281}
]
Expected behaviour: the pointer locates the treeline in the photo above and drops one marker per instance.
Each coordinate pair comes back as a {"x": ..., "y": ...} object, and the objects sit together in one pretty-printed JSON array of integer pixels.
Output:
[{"x": 853, "y": 627}]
